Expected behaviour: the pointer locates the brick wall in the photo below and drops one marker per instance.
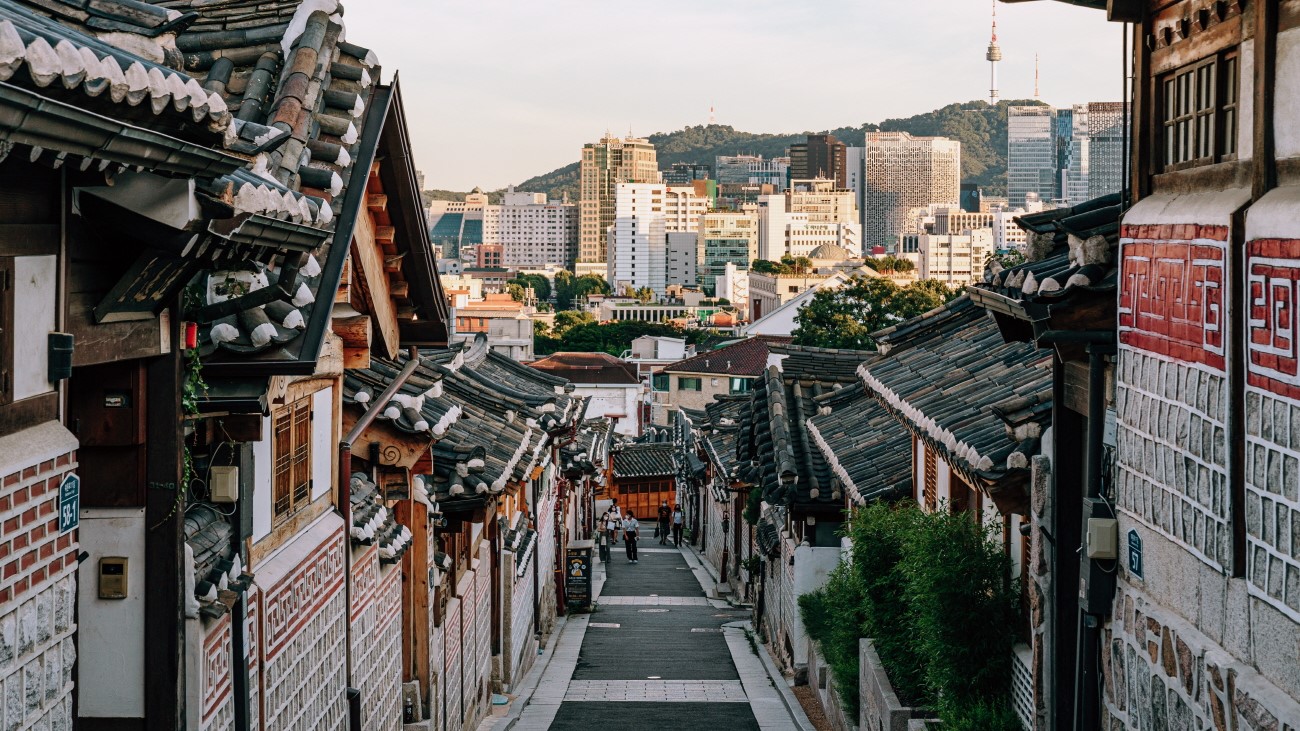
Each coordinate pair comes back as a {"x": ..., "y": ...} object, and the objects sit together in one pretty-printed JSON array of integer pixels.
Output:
[
  {"x": 376, "y": 639},
  {"x": 216, "y": 681},
  {"x": 38, "y": 598},
  {"x": 302, "y": 636}
]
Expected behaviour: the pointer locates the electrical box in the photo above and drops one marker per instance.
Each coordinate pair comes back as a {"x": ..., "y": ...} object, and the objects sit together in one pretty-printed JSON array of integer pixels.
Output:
[
  {"x": 1097, "y": 575},
  {"x": 1103, "y": 538},
  {"x": 112, "y": 577},
  {"x": 224, "y": 484}
]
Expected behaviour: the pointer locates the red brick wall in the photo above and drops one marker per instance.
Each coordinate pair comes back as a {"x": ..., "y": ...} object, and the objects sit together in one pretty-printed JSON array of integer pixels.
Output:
[{"x": 32, "y": 553}]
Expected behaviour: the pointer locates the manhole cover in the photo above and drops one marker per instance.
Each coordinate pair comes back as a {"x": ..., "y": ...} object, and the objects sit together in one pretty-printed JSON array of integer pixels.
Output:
[
  {"x": 652, "y": 611},
  {"x": 606, "y": 625},
  {"x": 705, "y": 629}
]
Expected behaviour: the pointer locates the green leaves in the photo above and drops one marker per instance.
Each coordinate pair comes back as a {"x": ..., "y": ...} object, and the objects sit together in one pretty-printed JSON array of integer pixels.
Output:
[{"x": 846, "y": 317}]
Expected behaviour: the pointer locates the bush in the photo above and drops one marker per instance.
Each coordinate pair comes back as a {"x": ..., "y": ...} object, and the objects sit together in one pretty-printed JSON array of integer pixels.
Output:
[
  {"x": 963, "y": 607},
  {"x": 833, "y": 616},
  {"x": 983, "y": 715},
  {"x": 881, "y": 535}
]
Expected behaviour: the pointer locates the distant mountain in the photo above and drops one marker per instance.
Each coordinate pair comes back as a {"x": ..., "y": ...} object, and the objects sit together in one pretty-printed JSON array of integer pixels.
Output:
[{"x": 980, "y": 127}]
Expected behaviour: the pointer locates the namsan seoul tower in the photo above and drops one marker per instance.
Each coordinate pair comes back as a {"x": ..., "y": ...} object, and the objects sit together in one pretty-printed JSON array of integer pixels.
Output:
[{"x": 994, "y": 55}]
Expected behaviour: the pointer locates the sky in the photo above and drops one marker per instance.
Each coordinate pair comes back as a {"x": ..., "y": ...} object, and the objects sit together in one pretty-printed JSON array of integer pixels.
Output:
[{"x": 498, "y": 91}]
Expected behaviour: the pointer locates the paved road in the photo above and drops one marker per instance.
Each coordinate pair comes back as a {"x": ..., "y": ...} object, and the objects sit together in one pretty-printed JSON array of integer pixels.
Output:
[{"x": 655, "y": 655}]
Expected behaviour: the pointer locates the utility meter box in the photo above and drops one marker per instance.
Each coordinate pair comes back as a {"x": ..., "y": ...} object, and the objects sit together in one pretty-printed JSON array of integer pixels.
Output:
[
  {"x": 224, "y": 484},
  {"x": 1103, "y": 538}
]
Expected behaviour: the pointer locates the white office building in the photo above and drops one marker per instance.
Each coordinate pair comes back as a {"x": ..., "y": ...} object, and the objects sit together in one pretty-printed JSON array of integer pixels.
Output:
[
  {"x": 532, "y": 231},
  {"x": 638, "y": 254},
  {"x": 957, "y": 260}
]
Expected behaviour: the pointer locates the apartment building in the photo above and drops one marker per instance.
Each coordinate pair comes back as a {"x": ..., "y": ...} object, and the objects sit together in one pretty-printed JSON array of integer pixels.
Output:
[
  {"x": 725, "y": 237},
  {"x": 902, "y": 173},
  {"x": 602, "y": 167}
]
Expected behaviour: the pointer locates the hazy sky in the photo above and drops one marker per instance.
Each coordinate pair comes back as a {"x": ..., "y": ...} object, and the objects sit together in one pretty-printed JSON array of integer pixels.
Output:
[{"x": 497, "y": 91}]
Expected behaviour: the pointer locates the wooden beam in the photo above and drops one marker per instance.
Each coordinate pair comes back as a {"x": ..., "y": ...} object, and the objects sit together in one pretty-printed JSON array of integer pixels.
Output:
[
  {"x": 368, "y": 268},
  {"x": 355, "y": 331},
  {"x": 377, "y": 202},
  {"x": 385, "y": 234},
  {"x": 344, "y": 293},
  {"x": 240, "y": 427},
  {"x": 356, "y": 357},
  {"x": 393, "y": 263},
  {"x": 405, "y": 312},
  {"x": 400, "y": 288},
  {"x": 416, "y": 622}
]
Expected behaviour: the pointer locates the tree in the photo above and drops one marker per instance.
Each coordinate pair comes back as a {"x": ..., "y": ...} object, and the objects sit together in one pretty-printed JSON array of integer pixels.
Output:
[
  {"x": 645, "y": 295},
  {"x": 540, "y": 284},
  {"x": 568, "y": 319},
  {"x": 846, "y": 317},
  {"x": 890, "y": 264},
  {"x": 608, "y": 337},
  {"x": 568, "y": 288},
  {"x": 515, "y": 291},
  {"x": 763, "y": 266}
]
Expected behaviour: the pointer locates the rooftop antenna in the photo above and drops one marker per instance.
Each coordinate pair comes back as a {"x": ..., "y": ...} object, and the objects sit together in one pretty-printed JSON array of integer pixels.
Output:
[
  {"x": 994, "y": 55},
  {"x": 1036, "y": 95},
  {"x": 712, "y": 119}
]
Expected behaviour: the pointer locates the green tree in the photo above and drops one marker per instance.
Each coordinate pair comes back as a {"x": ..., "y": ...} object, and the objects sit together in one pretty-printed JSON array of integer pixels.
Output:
[
  {"x": 846, "y": 317},
  {"x": 566, "y": 320},
  {"x": 515, "y": 291},
  {"x": 890, "y": 264},
  {"x": 541, "y": 329},
  {"x": 645, "y": 295},
  {"x": 569, "y": 289},
  {"x": 540, "y": 284},
  {"x": 763, "y": 266}
]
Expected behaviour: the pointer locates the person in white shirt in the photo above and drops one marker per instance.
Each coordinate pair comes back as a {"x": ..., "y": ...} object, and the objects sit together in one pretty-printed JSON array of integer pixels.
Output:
[
  {"x": 631, "y": 532},
  {"x": 613, "y": 522}
]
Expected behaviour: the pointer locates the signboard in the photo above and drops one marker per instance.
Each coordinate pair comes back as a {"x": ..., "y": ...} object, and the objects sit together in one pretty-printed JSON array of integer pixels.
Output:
[
  {"x": 69, "y": 503},
  {"x": 1135, "y": 553},
  {"x": 577, "y": 572}
]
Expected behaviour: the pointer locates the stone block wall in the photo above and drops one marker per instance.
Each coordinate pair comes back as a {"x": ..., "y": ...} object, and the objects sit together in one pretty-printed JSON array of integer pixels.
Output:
[
  {"x": 453, "y": 637},
  {"x": 376, "y": 639},
  {"x": 302, "y": 636},
  {"x": 216, "y": 679},
  {"x": 37, "y": 594},
  {"x": 1162, "y": 673},
  {"x": 712, "y": 519}
]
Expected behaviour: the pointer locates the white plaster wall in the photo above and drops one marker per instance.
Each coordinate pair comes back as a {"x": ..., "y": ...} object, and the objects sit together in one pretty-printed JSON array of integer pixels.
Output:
[
  {"x": 608, "y": 400},
  {"x": 35, "y": 289},
  {"x": 322, "y": 442},
  {"x": 111, "y": 631},
  {"x": 1286, "y": 97},
  {"x": 262, "y": 483},
  {"x": 943, "y": 492},
  {"x": 811, "y": 567},
  {"x": 918, "y": 479}
]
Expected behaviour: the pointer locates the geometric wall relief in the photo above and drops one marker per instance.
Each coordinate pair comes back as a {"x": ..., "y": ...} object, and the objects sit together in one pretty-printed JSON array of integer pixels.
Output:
[
  {"x": 1171, "y": 291},
  {"x": 1273, "y": 423}
]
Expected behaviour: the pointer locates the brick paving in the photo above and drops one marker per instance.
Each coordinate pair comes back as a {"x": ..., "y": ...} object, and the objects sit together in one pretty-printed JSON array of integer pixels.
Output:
[{"x": 657, "y": 653}]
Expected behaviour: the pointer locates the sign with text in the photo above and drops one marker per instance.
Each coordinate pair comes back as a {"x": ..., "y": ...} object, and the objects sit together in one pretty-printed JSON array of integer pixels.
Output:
[
  {"x": 1134, "y": 553},
  {"x": 69, "y": 503},
  {"x": 577, "y": 572}
]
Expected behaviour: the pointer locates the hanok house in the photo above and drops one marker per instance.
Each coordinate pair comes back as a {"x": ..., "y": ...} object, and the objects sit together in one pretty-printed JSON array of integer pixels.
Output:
[
  {"x": 803, "y": 501},
  {"x": 221, "y": 173},
  {"x": 468, "y": 441},
  {"x": 1063, "y": 300},
  {"x": 1203, "y": 621},
  {"x": 642, "y": 476},
  {"x": 976, "y": 408}
]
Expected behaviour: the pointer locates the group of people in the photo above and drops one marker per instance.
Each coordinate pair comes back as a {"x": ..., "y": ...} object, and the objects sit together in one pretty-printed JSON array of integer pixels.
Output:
[{"x": 615, "y": 522}]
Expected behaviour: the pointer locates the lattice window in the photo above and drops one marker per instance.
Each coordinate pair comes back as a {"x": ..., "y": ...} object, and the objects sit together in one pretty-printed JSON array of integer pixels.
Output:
[
  {"x": 931, "y": 491},
  {"x": 1199, "y": 112},
  {"x": 291, "y": 478}
]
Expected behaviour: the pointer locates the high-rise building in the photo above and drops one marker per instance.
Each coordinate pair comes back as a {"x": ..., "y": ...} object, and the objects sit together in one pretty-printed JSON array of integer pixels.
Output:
[
  {"x": 532, "y": 231},
  {"x": 682, "y": 253},
  {"x": 638, "y": 254},
  {"x": 752, "y": 170},
  {"x": 683, "y": 206},
  {"x": 1033, "y": 165},
  {"x": 603, "y": 166},
  {"x": 822, "y": 156},
  {"x": 957, "y": 260},
  {"x": 682, "y": 173},
  {"x": 1065, "y": 156},
  {"x": 725, "y": 237},
  {"x": 811, "y": 213},
  {"x": 902, "y": 173},
  {"x": 456, "y": 224}
]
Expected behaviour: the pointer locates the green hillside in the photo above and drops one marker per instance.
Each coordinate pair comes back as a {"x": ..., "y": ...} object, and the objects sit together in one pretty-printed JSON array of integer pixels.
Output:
[{"x": 979, "y": 126}]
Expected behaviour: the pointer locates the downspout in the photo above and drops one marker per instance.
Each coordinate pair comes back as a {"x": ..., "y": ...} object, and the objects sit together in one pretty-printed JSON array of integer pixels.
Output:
[
  {"x": 345, "y": 510},
  {"x": 537, "y": 571}
]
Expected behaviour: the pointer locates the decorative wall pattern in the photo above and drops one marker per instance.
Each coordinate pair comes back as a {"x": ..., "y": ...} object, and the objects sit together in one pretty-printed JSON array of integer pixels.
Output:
[{"x": 215, "y": 682}]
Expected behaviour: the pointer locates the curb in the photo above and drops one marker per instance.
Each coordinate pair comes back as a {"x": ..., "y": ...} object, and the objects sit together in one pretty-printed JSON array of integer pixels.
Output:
[{"x": 792, "y": 705}]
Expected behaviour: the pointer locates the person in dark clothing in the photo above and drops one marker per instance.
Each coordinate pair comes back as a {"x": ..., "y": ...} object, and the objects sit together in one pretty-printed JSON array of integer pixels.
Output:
[
  {"x": 631, "y": 532},
  {"x": 665, "y": 515},
  {"x": 678, "y": 520}
]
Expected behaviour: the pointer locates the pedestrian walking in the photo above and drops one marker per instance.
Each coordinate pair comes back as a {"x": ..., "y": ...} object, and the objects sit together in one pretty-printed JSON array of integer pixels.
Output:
[
  {"x": 661, "y": 530},
  {"x": 631, "y": 532},
  {"x": 613, "y": 522},
  {"x": 678, "y": 520}
]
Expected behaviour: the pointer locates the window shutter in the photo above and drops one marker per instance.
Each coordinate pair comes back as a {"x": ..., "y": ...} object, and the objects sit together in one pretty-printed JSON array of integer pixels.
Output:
[{"x": 931, "y": 480}]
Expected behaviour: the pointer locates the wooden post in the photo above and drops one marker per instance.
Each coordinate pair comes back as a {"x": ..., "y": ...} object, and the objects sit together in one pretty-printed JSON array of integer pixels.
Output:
[
  {"x": 164, "y": 646},
  {"x": 416, "y": 619}
]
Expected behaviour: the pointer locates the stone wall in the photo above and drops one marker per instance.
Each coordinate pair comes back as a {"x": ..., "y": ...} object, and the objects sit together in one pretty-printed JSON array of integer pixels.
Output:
[
  {"x": 376, "y": 639},
  {"x": 879, "y": 708},
  {"x": 302, "y": 613},
  {"x": 38, "y": 580},
  {"x": 216, "y": 677}
]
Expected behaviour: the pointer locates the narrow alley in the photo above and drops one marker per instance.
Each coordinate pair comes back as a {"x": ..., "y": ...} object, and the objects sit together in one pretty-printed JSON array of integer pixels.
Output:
[{"x": 656, "y": 653}]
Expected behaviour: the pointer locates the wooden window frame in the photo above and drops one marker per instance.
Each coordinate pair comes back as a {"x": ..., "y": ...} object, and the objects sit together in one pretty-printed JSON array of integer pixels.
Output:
[
  {"x": 291, "y": 459},
  {"x": 1198, "y": 112},
  {"x": 699, "y": 383},
  {"x": 931, "y": 489}
]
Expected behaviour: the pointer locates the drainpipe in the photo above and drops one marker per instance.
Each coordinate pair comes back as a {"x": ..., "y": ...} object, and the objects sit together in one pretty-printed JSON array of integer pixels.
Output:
[
  {"x": 345, "y": 510},
  {"x": 537, "y": 570}
]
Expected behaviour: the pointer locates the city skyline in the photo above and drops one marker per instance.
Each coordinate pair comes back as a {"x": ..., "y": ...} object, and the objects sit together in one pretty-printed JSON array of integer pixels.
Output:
[{"x": 491, "y": 92}]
